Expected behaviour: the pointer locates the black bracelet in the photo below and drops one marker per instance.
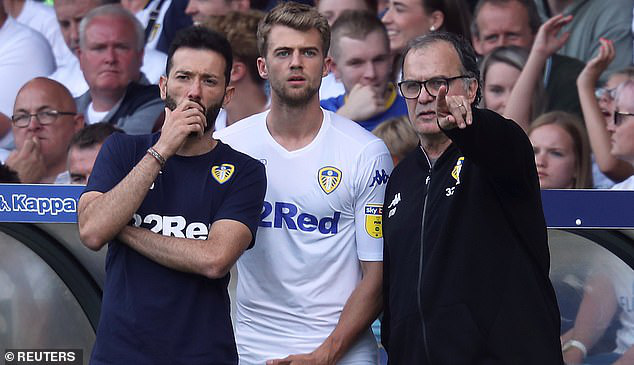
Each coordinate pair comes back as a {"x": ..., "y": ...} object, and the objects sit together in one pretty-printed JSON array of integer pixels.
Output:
[{"x": 157, "y": 156}]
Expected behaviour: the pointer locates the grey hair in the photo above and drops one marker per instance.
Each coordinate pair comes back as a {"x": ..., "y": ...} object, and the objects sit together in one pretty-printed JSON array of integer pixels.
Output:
[
  {"x": 466, "y": 54},
  {"x": 115, "y": 11}
]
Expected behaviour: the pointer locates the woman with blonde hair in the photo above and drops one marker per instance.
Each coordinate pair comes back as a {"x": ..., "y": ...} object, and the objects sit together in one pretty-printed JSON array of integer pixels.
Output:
[
  {"x": 500, "y": 70},
  {"x": 562, "y": 151}
]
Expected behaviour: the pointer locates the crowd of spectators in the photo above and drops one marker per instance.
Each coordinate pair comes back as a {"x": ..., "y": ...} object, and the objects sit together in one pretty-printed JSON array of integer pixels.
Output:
[
  {"x": 75, "y": 72},
  {"x": 537, "y": 56}
]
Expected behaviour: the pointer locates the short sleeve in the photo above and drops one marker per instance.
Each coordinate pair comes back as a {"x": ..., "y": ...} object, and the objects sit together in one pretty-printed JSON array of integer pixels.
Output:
[
  {"x": 110, "y": 166},
  {"x": 375, "y": 166},
  {"x": 246, "y": 197}
]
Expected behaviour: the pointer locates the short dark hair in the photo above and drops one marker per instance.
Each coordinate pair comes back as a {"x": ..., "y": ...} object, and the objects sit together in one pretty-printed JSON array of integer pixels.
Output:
[
  {"x": 468, "y": 60},
  {"x": 92, "y": 135},
  {"x": 7, "y": 175},
  {"x": 457, "y": 17},
  {"x": 296, "y": 16},
  {"x": 198, "y": 37},
  {"x": 534, "y": 21}
]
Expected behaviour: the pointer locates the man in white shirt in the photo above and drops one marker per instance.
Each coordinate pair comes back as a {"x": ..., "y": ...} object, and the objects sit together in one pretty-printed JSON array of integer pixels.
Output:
[
  {"x": 44, "y": 121},
  {"x": 41, "y": 17},
  {"x": 24, "y": 54},
  {"x": 310, "y": 288}
]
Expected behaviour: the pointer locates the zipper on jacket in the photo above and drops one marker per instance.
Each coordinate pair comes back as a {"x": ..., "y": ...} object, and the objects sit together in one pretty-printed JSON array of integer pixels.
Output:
[{"x": 420, "y": 263}]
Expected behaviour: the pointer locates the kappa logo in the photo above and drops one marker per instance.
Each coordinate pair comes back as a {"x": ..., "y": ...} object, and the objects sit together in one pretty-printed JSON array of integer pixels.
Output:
[
  {"x": 393, "y": 204},
  {"x": 374, "y": 220},
  {"x": 223, "y": 172},
  {"x": 329, "y": 178},
  {"x": 4, "y": 206},
  {"x": 39, "y": 205},
  {"x": 380, "y": 178}
]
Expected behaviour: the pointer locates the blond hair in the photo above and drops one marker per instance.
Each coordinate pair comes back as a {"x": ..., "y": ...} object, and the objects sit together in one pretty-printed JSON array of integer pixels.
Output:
[
  {"x": 580, "y": 144},
  {"x": 398, "y": 135},
  {"x": 296, "y": 16}
]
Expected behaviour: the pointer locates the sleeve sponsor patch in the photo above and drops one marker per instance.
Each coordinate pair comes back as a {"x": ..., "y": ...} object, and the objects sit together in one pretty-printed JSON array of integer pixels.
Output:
[{"x": 373, "y": 220}]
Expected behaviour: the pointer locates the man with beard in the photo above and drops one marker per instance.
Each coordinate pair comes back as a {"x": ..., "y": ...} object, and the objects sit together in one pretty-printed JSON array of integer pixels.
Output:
[
  {"x": 310, "y": 288},
  {"x": 194, "y": 204}
]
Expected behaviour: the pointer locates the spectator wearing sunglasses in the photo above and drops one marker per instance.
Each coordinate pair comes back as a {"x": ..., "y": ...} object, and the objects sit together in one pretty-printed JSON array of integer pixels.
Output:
[
  {"x": 622, "y": 129},
  {"x": 598, "y": 105}
]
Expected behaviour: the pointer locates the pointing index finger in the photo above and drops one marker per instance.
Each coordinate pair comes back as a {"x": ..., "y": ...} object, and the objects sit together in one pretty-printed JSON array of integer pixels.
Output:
[{"x": 442, "y": 108}]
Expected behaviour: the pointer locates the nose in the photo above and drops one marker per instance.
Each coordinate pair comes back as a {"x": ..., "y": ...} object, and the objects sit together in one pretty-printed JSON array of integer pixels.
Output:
[
  {"x": 191, "y": 8},
  {"x": 540, "y": 159},
  {"x": 387, "y": 17},
  {"x": 296, "y": 59},
  {"x": 74, "y": 33},
  {"x": 369, "y": 72},
  {"x": 611, "y": 126},
  {"x": 34, "y": 123},
  {"x": 424, "y": 97},
  {"x": 195, "y": 91}
]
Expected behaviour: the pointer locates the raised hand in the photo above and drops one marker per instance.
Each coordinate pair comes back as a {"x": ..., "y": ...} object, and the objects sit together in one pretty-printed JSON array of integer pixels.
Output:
[
  {"x": 28, "y": 162},
  {"x": 452, "y": 111},
  {"x": 595, "y": 67},
  {"x": 186, "y": 119},
  {"x": 362, "y": 103},
  {"x": 548, "y": 40}
]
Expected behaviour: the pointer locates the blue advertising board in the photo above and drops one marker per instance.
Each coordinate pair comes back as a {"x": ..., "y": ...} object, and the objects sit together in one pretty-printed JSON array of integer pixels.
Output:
[
  {"x": 39, "y": 203},
  {"x": 562, "y": 208}
]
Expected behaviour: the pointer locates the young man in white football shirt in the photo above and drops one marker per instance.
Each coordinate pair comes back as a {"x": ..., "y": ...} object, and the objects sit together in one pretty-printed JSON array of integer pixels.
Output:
[{"x": 310, "y": 288}]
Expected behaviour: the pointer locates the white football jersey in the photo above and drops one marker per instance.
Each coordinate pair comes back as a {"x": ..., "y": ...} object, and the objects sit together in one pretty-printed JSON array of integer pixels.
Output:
[{"x": 321, "y": 216}]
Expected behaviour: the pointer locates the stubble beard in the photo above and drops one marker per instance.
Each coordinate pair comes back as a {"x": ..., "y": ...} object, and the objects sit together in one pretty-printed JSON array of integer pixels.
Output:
[{"x": 292, "y": 97}]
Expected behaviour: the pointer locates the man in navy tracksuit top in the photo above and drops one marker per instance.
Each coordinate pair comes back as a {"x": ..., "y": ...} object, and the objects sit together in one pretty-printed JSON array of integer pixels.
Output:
[
  {"x": 473, "y": 288},
  {"x": 177, "y": 208}
]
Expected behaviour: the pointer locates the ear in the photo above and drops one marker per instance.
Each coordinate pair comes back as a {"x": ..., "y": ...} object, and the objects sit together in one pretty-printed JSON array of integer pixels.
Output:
[
  {"x": 335, "y": 70},
  {"x": 327, "y": 66},
  {"x": 79, "y": 122},
  {"x": 163, "y": 86},
  {"x": 262, "y": 68},
  {"x": 228, "y": 95},
  {"x": 472, "y": 90},
  {"x": 477, "y": 44},
  {"x": 238, "y": 71},
  {"x": 437, "y": 19}
]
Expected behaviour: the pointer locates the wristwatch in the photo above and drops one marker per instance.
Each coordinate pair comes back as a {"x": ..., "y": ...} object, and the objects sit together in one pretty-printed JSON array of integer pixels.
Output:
[{"x": 576, "y": 344}]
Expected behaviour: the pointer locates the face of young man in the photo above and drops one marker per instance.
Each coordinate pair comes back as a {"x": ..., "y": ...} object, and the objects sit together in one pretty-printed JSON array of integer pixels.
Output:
[
  {"x": 436, "y": 60},
  {"x": 197, "y": 75},
  {"x": 294, "y": 64},
  {"x": 502, "y": 25},
  {"x": 363, "y": 61},
  {"x": 80, "y": 163}
]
